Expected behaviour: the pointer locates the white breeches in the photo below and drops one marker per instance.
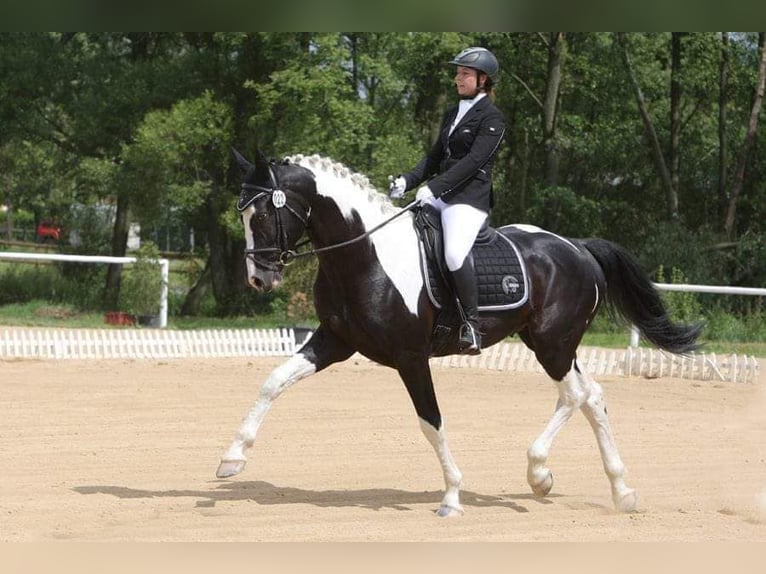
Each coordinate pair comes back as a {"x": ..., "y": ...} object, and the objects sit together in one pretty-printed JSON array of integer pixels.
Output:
[{"x": 461, "y": 224}]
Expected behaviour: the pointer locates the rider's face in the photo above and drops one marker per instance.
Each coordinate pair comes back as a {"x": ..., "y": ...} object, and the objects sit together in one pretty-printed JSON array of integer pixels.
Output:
[{"x": 467, "y": 80}]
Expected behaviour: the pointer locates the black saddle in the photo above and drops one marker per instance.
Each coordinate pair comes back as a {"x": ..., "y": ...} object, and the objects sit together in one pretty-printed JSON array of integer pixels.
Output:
[{"x": 500, "y": 272}]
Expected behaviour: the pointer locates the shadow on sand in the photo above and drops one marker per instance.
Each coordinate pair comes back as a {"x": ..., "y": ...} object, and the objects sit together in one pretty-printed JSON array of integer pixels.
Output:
[{"x": 266, "y": 493}]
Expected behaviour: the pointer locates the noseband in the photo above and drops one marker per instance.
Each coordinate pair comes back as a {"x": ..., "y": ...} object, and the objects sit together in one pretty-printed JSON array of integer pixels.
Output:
[{"x": 252, "y": 193}]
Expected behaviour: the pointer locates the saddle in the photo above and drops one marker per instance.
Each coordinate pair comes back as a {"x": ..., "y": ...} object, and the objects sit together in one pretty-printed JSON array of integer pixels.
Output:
[{"x": 501, "y": 275}]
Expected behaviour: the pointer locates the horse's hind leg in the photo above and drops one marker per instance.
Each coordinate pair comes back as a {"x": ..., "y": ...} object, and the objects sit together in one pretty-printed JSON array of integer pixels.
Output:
[
  {"x": 320, "y": 351},
  {"x": 416, "y": 374},
  {"x": 594, "y": 409},
  {"x": 571, "y": 396}
]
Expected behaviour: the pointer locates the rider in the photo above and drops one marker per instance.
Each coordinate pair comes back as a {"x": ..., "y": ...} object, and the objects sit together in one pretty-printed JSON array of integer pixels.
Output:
[{"x": 461, "y": 160}]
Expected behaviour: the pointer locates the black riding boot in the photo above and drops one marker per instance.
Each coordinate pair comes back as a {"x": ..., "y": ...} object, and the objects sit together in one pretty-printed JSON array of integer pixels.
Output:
[{"x": 467, "y": 293}]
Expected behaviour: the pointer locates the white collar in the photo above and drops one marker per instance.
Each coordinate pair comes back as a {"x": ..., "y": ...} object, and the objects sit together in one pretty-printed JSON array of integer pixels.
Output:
[{"x": 463, "y": 107}]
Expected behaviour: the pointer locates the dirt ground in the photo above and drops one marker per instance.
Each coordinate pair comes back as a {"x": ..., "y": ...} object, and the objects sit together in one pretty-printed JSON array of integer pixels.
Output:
[{"x": 127, "y": 451}]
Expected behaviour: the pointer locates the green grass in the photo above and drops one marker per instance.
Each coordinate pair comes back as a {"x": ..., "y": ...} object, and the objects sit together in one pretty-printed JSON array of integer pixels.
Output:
[{"x": 44, "y": 314}]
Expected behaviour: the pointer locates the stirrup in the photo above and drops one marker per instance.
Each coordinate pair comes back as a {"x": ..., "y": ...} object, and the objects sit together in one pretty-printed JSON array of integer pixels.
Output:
[{"x": 469, "y": 342}]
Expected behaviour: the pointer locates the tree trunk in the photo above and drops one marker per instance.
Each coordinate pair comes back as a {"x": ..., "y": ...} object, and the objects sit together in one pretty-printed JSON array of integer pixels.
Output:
[
  {"x": 675, "y": 108},
  {"x": 723, "y": 86},
  {"x": 752, "y": 125},
  {"x": 9, "y": 221},
  {"x": 671, "y": 197},
  {"x": 119, "y": 247},
  {"x": 556, "y": 53},
  {"x": 227, "y": 264},
  {"x": 193, "y": 300},
  {"x": 524, "y": 176}
]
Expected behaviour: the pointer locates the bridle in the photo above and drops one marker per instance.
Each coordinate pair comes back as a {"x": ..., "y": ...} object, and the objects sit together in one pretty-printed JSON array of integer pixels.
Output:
[
  {"x": 285, "y": 255},
  {"x": 250, "y": 194}
]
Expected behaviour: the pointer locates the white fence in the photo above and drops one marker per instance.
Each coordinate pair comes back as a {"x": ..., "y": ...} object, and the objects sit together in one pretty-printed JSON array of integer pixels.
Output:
[
  {"x": 167, "y": 344},
  {"x": 144, "y": 343},
  {"x": 650, "y": 363}
]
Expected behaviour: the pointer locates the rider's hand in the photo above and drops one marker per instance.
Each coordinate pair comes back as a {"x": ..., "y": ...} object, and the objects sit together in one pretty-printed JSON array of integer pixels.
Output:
[
  {"x": 424, "y": 194},
  {"x": 396, "y": 187}
]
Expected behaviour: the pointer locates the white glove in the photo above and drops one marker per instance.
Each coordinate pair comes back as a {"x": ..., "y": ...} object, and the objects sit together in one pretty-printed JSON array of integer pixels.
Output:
[
  {"x": 424, "y": 194},
  {"x": 396, "y": 186}
]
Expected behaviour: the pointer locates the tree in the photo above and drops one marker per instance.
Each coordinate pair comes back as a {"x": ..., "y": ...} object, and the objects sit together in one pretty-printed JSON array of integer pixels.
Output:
[
  {"x": 747, "y": 145},
  {"x": 556, "y": 52},
  {"x": 671, "y": 195}
]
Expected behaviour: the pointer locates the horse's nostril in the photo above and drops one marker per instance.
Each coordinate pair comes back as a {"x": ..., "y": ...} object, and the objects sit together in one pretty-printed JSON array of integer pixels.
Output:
[{"x": 256, "y": 283}]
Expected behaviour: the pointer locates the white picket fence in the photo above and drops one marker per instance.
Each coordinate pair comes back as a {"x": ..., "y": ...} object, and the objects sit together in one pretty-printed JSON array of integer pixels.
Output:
[
  {"x": 166, "y": 344},
  {"x": 640, "y": 362},
  {"x": 144, "y": 343}
]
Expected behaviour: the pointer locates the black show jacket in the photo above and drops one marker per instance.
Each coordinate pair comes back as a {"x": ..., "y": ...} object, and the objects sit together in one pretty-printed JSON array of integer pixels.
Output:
[{"x": 462, "y": 161}]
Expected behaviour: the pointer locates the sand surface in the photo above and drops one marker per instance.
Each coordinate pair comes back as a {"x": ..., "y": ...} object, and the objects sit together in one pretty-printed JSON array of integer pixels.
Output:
[{"x": 127, "y": 451}]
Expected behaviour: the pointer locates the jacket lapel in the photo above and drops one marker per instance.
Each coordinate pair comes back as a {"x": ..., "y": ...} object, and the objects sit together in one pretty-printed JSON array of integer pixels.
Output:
[{"x": 480, "y": 105}]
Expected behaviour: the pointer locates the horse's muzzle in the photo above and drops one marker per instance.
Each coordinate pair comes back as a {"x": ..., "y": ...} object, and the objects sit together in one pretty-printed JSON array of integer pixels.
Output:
[{"x": 264, "y": 282}]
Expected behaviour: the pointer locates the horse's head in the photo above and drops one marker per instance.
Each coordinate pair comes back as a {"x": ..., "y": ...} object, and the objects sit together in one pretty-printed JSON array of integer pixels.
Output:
[{"x": 275, "y": 213}]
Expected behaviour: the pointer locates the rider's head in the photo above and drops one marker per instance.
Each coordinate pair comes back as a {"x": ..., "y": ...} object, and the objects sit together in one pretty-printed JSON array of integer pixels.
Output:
[{"x": 477, "y": 70}]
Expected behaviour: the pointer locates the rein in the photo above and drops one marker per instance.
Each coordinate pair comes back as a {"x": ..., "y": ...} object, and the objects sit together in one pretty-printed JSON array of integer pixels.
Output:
[{"x": 279, "y": 201}]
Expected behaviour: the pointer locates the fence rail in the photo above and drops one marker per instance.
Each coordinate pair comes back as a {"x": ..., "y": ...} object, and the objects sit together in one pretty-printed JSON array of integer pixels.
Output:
[
  {"x": 144, "y": 343},
  {"x": 166, "y": 344},
  {"x": 641, "y": 362}
]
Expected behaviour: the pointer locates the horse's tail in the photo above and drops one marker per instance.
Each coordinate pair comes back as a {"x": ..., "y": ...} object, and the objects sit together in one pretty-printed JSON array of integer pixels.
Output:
[{"x": 631, "y": 293}]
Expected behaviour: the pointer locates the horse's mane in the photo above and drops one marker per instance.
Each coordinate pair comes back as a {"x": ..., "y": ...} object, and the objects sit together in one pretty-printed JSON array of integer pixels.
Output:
[{"x": 360, "y": 183}]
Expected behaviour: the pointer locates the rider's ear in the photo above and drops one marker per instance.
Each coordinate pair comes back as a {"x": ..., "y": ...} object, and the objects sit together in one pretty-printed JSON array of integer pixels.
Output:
[{"x": 243, "y": 164}]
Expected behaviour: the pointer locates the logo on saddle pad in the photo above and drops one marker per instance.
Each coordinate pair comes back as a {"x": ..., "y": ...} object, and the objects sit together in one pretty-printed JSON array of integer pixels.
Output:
[{"x": 510, "y": 285}]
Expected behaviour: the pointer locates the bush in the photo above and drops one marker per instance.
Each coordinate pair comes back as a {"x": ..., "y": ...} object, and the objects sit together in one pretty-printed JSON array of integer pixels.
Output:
[
  {"x": 682, "y": 306},
  {"x": 141, "y": 287}
]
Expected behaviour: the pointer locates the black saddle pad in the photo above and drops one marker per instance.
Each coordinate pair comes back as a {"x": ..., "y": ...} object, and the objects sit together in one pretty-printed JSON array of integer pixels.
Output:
[{"x": 500, "y": 272}]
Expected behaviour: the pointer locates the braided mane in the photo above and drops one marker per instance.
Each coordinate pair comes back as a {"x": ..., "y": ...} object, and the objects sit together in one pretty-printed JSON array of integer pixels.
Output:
[{"x": 360, "y": 184}]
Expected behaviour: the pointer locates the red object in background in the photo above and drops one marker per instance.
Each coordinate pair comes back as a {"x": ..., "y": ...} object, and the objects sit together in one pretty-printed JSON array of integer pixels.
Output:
[
  {"x": 47, "y": 231},
  {"x": 119, "y": 318}
]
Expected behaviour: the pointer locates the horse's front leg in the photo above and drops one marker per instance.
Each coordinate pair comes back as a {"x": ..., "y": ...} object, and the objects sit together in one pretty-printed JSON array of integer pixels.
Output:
[
  {"x": 416, "y": 374},
  {"x": 321, "y": 350}
]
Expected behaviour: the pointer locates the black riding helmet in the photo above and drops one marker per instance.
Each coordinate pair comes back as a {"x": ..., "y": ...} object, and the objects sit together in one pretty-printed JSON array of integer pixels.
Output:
[{"x": 479, "y": 59}]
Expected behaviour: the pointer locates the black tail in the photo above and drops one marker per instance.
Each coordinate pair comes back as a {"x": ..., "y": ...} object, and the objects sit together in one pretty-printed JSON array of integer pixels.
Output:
[{"x": 631, "y": 293}]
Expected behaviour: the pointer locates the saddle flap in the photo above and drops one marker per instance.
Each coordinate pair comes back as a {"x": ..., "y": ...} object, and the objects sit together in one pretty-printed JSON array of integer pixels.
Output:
[{"x": 500, "y": 272}]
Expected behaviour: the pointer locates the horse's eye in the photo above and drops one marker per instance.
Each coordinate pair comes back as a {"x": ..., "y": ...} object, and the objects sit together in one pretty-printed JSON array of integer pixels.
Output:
[{"x": 262, "y": 216}]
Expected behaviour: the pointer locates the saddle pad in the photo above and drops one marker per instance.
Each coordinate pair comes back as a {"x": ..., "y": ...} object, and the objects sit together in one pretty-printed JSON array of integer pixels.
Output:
[{"x": 500, "y": 274}]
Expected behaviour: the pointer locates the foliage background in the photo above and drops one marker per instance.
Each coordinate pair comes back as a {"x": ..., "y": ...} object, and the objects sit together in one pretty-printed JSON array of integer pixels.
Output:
[{"x": 142, "y": 124}]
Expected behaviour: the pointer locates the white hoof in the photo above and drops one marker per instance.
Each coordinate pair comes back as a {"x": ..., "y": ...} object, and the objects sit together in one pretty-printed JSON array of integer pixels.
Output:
[
  {"x": 229, "y": 468},
  {"x": 449, "y": 511},
  {"x": 544, "y": 486},
  {"x": 627, "y": 502}
]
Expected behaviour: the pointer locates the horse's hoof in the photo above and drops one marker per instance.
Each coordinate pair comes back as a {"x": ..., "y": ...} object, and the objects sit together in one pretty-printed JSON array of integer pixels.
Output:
[
  {"x": 229, "y": 468},
  {"x": 449, "y": 511},
  {"x": 627, "y": 502},
  {"x": 543, "y": 487}
]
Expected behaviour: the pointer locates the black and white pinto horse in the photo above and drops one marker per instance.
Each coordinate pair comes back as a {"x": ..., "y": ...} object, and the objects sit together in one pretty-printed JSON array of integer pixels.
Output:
[{"x": 370, "y": 297}]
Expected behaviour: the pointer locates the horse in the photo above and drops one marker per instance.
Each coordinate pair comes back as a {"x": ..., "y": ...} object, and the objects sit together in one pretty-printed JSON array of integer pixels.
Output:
[{"x": 370, "y": 296}]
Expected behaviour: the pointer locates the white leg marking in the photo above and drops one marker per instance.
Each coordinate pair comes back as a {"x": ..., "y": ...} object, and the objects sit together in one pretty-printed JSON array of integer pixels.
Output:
[
  {"x": 453, "y": 478},
  {"x": 594, "y": 409},
  {"x": 571, "y": 397},
  {"x": 279, "y": 380}
]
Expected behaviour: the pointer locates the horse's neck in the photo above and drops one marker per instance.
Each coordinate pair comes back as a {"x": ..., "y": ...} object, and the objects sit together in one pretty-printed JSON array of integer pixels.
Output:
[{"x": 356, "y": 267}]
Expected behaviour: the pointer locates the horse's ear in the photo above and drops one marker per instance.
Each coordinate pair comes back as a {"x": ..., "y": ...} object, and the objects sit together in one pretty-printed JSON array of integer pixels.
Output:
[
  {"x": 243, "y": 164},
  {"x": 260, "y": 159}
]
